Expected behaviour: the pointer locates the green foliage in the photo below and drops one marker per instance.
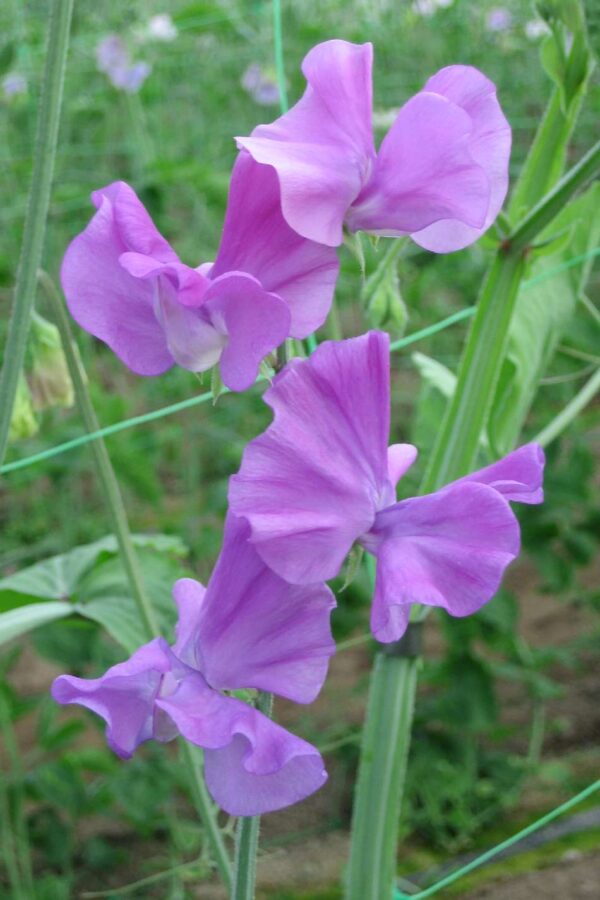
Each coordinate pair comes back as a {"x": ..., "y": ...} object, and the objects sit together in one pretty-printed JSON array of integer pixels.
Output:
[
  {"x": 544, "y": 309},
  {"x": 90, "y": 581}
]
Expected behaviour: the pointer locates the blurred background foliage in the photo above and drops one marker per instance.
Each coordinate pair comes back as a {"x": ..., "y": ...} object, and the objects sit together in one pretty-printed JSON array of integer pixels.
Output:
[{"x": 71, "y": 813}]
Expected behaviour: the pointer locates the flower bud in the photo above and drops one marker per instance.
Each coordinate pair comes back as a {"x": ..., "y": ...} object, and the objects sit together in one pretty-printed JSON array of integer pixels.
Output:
[
  {"x": 48, "y": 376},
  {"x": 23, "y": 423}
]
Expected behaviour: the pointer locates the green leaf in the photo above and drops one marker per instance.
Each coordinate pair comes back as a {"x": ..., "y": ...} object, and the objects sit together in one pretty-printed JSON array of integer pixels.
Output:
[
  {"x": 543, "y": 311},
  {"x": 105, "y": 597},
  {"x": 435, "y": 373},
  {"x": 58, "y": 578},
  {"x": 23, "y": 619}
]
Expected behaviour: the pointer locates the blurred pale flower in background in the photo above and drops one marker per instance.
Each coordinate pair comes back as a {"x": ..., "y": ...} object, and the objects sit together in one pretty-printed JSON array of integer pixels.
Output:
[
  {"x": 14, "y": 85},
  {"x": 535, "y": 29},
  {"x": 261, "y": 84},
  {"x": 499, "y": 19},
  {"x": 428, "y": 8},
  {"x": 112, "y": 58},
  {"x": 161, "y": 28}
]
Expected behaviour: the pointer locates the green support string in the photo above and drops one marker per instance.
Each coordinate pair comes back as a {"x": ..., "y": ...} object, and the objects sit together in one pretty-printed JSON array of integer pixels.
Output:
[
  {"x": 311, "y": 342},
  {"x": 504, "y": 845}
]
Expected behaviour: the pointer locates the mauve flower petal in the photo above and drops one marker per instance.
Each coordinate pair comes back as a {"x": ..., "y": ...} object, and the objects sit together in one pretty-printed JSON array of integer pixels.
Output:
[
  {"x": 124, "y": 696},
  {"x": 255, "y": 322},
  {"x": 447, "y": 549},
  {"x": 252, "y": 766},
  {"x": 489, "y": 145},
  {"x": 104, "y": 298},
  {"x": 400, "y": 459},
  {"x": 189, "y": 596},
  {"x": 257, "y": 240},
  {"x": 322, "y": 148},
  {"x": 255, "y": 630},
  {"x": 133, "y": 223},
  {"x": 311, "y": 484},
  {"x": 192, "y": 339},
  {"x": 424, "y": 172},
  {"x": 518, "y": 477}
]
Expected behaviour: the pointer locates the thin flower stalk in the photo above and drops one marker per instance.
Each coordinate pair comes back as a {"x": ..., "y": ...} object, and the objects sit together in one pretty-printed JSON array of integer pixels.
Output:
[
  {"x": 37, "y": 210},
  {"x": 131, "y": 565}
]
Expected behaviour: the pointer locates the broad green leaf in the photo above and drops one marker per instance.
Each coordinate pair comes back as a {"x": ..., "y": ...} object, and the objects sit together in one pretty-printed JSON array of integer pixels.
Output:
[
  {"x": 543, "y": 312},
  {"x": 19, "y": 621},
  {"x": 105, "y": 597},
  {"x": 57, "y": 578}
]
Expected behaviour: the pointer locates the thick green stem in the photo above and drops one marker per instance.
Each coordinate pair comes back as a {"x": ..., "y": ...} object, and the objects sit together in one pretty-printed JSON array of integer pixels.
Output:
[
  {"x": 384, "y": 752},
  {"x": 246, "y": 841},
  {"x": 381, "y": 779},
  {"x": 37, "y": 211},
  {"x": 128, "y": 555}
]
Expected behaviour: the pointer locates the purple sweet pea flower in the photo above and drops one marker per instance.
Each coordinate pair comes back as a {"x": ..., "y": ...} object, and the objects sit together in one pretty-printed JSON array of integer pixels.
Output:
[
  {"x": 322, "y": 477},
  {"x": 441, "y": 173},
  {"x": 247, "y": 629},
  {"x": 126, "y": 285}
]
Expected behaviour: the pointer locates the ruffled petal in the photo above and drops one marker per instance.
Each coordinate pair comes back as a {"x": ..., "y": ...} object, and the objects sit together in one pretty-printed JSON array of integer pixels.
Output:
[
  {"x": 136, "y": 229},
  {"x": 255, "y": 630},
  {"x": 252, "y": 766},
  {"x": 424, "y": 172},
  {"x": 322, "y": 148},
  {"x": 489, "y": 146},
  {"x": 257, "y": 240},
  {"x": 312, "y": 483},
  {"x": 102, "y": 296},
  {"x": 192, "y": 339},
  {"x": 124, "y": 696},
  {"x": 254, "y": 321},
  {"x": 519, "y": 476},
  {"x": 446, "y": 549}
]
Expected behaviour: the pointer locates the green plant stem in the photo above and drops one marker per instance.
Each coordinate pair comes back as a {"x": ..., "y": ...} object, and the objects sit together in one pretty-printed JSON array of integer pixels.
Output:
[
  {"x": 546, "y": 158},
  {"x": 116, "y": 506},
  {"x": 246, "y": 842},
  {"x": 205, "y": 807},
  {"x": 570, "y": 411},
  {"x": 372, "y": 868},
  {"x": 108, "y": 480},
  {"x": 378, "y": 799},
  {"x": 37, "y": 210}
]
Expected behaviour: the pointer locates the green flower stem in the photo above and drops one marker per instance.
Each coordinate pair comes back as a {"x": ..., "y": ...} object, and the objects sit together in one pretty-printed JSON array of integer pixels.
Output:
[
  {"x": 108, "y": 479},
  {"x": 246, "y": 842},
  {"x": 384, "y": 752},
  {"x": 381, "y": 779},
  {"x": 570, "y": 411},
  {"x": 37, "y": 210},
  {"x": 203, "y": 803},
  {"x": 546, "y": 158},
  {"x": 279, "y": 58},
  {"x": 129, "y": 558}
]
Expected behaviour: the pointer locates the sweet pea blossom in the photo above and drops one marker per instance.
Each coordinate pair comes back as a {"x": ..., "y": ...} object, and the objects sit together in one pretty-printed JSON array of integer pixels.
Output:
[
  {"x": 112, "y": 58},
  {"x": 440, "y": 175},
  {"x": 322, "y": 477},
  {"x": 126, "y": 285},
  {"x": 248, "y": 629}
]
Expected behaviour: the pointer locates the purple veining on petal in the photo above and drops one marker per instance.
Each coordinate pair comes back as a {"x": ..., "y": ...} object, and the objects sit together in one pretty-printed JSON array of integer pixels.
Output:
[
  {"x": 441, "y": 173},
  {"x": 126, "y": 285},
  {"x": 321, "y": 478}
]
